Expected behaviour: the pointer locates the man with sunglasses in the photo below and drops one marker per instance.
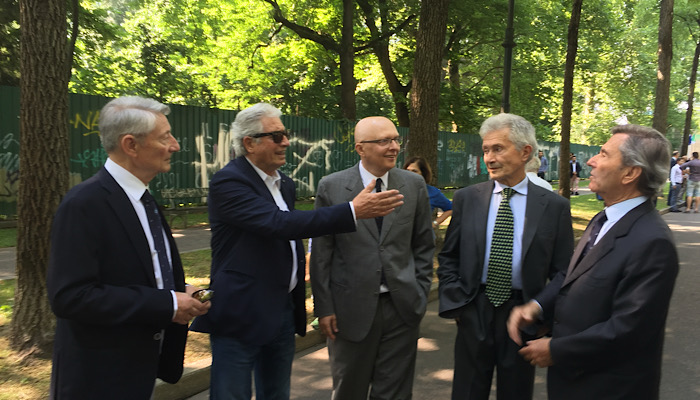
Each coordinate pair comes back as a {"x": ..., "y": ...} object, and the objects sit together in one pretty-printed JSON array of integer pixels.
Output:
[
  {"x": 371, "y": 286},
  {"x": 257, "y": 271}
]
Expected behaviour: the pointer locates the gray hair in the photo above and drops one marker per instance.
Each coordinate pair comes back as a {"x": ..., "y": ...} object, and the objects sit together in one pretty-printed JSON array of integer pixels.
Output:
[
  {"x": 648, "y": 149},
  {"x": 249, "y": 122},
  {"x": 128, "y": 115},
  {"x": 521, "y": 132}
]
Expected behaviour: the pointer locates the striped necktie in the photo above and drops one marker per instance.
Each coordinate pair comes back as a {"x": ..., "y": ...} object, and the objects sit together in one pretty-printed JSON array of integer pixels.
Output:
[{"x": 498, "y": 278}]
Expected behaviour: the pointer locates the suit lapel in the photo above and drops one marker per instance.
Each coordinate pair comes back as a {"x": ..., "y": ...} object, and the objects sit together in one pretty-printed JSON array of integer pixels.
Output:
[
  {"x": 125, "y": 214},
  {"x": 353, "y": 186},
  {"x": 605, "y": 245},
  {"x": 479, "y": 216},
  {"x": 535, "y": 205},
  {"x": 397, "y": 182},
  {"x": 248, "y": 170}
]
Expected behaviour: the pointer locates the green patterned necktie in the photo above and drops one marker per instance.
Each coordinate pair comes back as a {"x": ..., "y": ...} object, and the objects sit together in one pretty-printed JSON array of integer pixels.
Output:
[{"x": 498, "y": 278}]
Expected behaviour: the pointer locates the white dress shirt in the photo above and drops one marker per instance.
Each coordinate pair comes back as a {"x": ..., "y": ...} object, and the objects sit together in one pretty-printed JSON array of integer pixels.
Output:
[
  {"x": 134, "y": 189},
  {"x": 518, "y": 204},
  {"x": 273, "y": 185}
]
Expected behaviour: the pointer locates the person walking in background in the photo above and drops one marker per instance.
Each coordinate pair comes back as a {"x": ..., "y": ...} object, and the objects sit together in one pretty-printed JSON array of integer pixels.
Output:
[
  {"x": 574, "y": 174},
  {"x": 370, "y": 287},
  {"x": 507, "y": 237},
  {"x": 674, "y": 161},
  {"x": 608, "y": 311},
  {"x": 544, "y": 165},
  {"x": 531, "y": 168},
  {"x": 115, "y": 280},
  {"x": 437, "y": 199},
  {"x": 693, "y": 183},
  {"x": 676, "y": 184},
  {"x": 257, "y": 270}
]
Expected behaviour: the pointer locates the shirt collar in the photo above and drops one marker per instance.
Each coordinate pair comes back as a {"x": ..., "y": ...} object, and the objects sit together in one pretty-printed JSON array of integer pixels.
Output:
[
  {"x": 132, "y": 185},
  {"x": 618, "y": 210},
  {"x": 268, "y": 179},
  {"x": 520, "y": 188},
  {"x": 368, "y": 176}
]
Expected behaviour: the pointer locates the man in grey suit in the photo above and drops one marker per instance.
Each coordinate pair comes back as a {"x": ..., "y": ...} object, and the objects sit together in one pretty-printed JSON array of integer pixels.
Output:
[
  {"x": 371, "y": 286},
  {"x": 485, "y": 270},
  {"x": 608, "y": 311}
]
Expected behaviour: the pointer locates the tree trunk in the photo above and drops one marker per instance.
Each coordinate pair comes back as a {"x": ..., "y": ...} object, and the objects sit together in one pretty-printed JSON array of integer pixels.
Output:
[
  {"x": 348, "y": 84},
  {"x": 691, "y": 95},
  {"x": 43, "y": 177},
  {"x": 571, "y": 49},
  {"x": 425, "y": 94},
  {"x": 663, "y": 75}
]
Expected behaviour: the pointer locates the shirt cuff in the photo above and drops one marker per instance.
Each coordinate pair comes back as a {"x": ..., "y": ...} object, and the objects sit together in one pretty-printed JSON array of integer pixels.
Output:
[
  {"x": 352, "y": 208},
  {"x": 172, "y": 292}
]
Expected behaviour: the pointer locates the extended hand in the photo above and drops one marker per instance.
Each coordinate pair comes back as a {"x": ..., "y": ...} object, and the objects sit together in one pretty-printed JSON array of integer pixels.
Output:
[
  {"x": 520, "y": 317},
  {"x": 537, "y": 353},
  {"x": 329, "y": 326},
  {"x": 188, "y": 307},
  {"x": 372, "y": 205}
]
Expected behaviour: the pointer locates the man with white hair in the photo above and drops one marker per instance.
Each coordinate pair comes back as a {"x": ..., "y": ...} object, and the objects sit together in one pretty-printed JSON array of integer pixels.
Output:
[
  {"x": 507, "y": 236},
  {"x": 257, "y": 270}
]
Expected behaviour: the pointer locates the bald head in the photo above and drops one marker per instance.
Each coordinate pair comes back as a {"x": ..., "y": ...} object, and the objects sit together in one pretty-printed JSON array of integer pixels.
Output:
[
  {"x": 378, "y": 144},
  {"x": 372, "y": 128}
]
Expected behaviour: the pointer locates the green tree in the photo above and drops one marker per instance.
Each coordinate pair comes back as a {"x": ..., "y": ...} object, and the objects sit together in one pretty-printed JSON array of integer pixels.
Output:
[{"x": 43, "y": 168}]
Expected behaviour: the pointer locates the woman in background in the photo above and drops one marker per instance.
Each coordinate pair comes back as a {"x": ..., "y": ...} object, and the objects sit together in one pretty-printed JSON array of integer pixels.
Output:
[{"x": 437, "y": 199}]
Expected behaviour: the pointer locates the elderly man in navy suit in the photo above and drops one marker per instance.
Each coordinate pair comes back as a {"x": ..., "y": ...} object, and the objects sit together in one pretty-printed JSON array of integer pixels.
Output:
[
  {"x": 608, "y": 311},
  {"x": 115, "y": 280},
  {"x": 257, "y": 269}
]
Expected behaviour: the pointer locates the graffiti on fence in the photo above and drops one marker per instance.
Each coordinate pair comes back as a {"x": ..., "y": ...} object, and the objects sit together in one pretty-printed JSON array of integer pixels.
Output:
[
  {"x": 88, "y": 122},
  {"x": 214, "y": 153},
  {"x": 317, "y": 154}
]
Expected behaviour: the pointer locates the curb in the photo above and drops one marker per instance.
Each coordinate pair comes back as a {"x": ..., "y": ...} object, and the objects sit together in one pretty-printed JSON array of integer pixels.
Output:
[{"x": 195, "y": 378}]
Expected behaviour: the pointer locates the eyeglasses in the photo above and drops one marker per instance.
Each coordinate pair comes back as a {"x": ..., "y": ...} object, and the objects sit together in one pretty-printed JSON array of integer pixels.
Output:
[
  {"x": 277, "y": 136},
  {"x": 385, "y": 142}
]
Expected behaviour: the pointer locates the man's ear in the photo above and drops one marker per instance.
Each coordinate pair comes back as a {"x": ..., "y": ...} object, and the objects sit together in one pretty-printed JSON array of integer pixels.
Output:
[
  {"x": 527, "y": 150},
  {"x": 359, "y": 149},
  {"x": 248, "y": 144},
  {"x": 129, "y": 145},
  {"x": 631, "y": 175}
]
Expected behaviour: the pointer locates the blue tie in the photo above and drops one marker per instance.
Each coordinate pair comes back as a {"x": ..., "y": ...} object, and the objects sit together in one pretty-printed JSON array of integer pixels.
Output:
[
  {"x": 158, "y": 240},
  {"x": 596, "y": 226},
  {"x": 379, "y": 220}
]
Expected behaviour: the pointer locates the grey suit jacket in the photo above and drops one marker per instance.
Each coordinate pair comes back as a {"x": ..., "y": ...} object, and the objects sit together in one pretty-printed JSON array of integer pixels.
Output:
[
  {"x": 609, "y": 312},
  {"x": 346, "y": 268},
  {"x": 547, "y": 244}
]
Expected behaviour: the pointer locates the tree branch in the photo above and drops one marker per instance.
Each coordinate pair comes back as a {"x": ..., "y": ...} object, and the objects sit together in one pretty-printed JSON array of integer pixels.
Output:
[{"x": 302, "y": 31}]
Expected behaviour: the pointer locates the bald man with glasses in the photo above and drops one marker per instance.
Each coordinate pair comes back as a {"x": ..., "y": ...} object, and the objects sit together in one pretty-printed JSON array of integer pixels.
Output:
[{"x": 371, "y": 286}]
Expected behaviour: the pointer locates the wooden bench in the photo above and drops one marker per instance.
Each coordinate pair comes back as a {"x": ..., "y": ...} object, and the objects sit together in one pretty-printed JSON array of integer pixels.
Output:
[{"x": 176, "y": 197}]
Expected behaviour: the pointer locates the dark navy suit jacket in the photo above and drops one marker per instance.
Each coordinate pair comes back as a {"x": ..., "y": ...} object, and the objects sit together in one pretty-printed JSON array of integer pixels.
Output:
[
  {"x": 102, "y": 288},
  {"x": 251, "y": 256},
  {"x": 609, "y": 312}
]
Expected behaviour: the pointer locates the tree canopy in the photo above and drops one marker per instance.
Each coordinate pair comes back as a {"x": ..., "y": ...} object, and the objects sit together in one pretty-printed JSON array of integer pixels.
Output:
[{"x": 234, "y": 53}]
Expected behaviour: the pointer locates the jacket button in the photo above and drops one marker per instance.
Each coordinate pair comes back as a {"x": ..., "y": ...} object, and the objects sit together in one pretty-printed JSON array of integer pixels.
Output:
[{"x": 158, "y": 336}]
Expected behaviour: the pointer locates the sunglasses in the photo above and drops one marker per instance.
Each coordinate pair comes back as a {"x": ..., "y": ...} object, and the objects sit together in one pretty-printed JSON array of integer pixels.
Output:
[{"x": 277, "y": 136}]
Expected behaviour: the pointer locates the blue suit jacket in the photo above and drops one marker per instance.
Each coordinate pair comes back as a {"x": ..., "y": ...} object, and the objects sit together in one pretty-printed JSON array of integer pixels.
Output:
[
  {"x": 110, "y": 313},
  {"x": 251, "y": 256}
]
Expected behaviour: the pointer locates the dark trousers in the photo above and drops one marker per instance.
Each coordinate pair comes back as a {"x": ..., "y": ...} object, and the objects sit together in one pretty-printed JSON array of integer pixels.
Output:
[{"x": 483, "y": 344}]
